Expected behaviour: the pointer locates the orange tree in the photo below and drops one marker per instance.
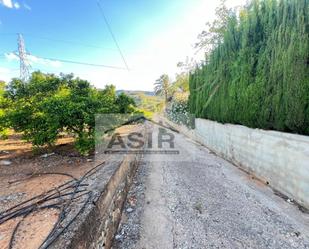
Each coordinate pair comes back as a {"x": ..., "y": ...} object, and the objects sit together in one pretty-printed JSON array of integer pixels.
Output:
[{"x": 47, "y": 105}]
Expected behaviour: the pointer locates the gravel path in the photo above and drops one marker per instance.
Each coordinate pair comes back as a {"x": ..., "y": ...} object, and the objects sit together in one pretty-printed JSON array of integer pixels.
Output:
[{"x": 206, "y": 202}]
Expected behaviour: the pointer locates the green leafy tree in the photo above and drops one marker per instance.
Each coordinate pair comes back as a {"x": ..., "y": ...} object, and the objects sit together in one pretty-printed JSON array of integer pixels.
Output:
[
  {"x": 181, "y": 83},
  {"x": 3, "y": 109},
  {"x": 213, "y": 35},
  {"x": 125, "y": 103},
  {"x": 163, "y": 87},
  {"x": 47, "y": 105}
]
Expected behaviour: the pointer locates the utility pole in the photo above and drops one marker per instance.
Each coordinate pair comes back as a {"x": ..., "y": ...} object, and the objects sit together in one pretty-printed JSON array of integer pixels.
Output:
[{"x": 24, "y": 65}]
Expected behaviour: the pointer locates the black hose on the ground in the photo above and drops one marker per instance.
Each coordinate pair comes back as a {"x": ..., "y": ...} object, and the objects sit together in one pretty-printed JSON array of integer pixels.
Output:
[{"x": 58, "y": 195}]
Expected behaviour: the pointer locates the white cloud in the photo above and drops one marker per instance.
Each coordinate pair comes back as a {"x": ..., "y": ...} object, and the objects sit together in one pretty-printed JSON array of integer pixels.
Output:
[
  {"x": 7, "y": 74},
  {"x": 4, "y": 70},
  {"x": 11, "y": 56},
  {"x": 37, "y": 60},
  {"x": 16, "y": 5},
  {"x": 34, "y": 60},
  {"x": 13, "y": 5},
  {"x": 7, "y": 3}
]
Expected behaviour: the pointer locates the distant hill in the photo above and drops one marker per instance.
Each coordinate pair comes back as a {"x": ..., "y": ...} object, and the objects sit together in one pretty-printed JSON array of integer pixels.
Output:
[
  {"x": 145, "y": 100},
  {"x": 134, "y": 93}
]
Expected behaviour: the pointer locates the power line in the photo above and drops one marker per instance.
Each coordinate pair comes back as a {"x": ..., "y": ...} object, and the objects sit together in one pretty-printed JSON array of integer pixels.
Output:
[
  {"x": 69, "y": 42},
  {"x": 81, "y": 63},
  {"x": 58, "y": 40},
  {"x": 61, "y": 41},
  {"x": 83, "y": 44},
  {"x": 72, "y": 62},
  {"x": 112, "y": 33},
  {"x": 43, "y": 37}
]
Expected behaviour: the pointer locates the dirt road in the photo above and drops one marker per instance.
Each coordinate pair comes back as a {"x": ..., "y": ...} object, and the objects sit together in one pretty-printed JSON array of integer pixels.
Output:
[{"x": 203, "y": 201}]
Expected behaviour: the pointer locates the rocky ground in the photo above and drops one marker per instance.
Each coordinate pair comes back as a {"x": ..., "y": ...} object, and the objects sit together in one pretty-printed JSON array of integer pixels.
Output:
[
  {"x": 202, "y": 201},
  {"x": 43, "y": 192},
  {"x": 129, "y": 230},
  {"x": 24, "y": 174}
]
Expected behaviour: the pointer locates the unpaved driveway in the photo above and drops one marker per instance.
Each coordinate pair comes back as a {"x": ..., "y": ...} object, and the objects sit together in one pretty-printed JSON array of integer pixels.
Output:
[{"x": 206, "y": 202}]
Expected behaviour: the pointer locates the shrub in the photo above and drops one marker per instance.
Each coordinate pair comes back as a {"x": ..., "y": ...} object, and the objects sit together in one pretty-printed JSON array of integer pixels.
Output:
[
  {"x": 258, "y": 75},
  {"x": 178, "y": 110},
  {"x": 47, "y": 105}
]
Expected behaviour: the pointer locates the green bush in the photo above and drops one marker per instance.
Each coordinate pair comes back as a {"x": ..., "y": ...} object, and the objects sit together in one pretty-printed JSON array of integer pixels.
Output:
[
  {"x": 3, "y": 105},
  {"x": 47, "y": 105},
  {"x": 178, "y": 111},
  {"x": 258, "y": 75}
]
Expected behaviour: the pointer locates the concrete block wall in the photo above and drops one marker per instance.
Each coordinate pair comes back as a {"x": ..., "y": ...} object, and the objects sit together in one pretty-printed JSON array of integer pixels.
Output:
[
  {"x": 281, "y": 159},
  {"x": 97, "y": 224}
]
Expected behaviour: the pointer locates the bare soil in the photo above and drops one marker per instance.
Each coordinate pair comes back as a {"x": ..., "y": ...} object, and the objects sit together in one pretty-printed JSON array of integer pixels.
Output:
[{"x": 31, "y": 174}]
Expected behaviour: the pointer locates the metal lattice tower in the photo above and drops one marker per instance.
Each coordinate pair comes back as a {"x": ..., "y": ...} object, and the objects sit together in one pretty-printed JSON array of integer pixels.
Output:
[{"x": 24, "y": 65}]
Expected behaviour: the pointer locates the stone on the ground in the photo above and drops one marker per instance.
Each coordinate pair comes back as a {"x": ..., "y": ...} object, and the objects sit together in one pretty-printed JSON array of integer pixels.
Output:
[
  {"x": 47, "y": 155},
  {"x": 5, "y": 162},
  {"x": 129, "y": 210},
  {"x": 118, "y": 237}
]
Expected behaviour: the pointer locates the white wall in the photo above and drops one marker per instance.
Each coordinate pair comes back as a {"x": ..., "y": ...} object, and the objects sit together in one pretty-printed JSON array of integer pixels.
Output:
[{"x": 280, "y": 158}]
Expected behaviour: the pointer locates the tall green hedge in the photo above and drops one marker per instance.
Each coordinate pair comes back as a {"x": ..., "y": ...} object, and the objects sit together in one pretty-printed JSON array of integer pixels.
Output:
[{"x": 259, "y": 75}]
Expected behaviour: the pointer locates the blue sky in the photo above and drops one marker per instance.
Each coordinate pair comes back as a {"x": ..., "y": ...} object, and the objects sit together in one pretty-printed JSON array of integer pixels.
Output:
[{"x": 153, "y": 35}]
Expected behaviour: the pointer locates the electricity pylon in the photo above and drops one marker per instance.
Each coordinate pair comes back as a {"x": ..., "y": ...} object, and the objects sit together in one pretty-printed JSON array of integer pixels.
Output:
[{"x": 24, "y": 65}]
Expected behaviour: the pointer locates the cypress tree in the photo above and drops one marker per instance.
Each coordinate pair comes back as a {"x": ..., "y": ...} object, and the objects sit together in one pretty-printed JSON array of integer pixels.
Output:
[{"x": 258, "y": 75}]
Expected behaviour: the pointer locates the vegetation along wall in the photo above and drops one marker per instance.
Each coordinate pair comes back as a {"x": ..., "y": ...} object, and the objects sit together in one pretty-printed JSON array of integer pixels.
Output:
[{"x": 258, "y": 73}]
